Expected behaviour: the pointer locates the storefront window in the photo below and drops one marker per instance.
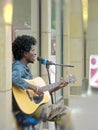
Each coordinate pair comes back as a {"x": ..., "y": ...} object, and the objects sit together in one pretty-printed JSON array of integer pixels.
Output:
[
  {"x": 56, "y": 42},
  {"x": 53, "y": 27}
]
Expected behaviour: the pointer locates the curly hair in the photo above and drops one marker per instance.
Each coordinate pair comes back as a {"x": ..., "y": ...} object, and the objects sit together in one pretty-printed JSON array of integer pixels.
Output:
[{"x": 22, "y": 44}]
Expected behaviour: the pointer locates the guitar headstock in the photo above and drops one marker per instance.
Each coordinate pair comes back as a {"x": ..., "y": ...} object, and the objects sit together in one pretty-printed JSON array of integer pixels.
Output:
[{"x": 70, "y": 79}]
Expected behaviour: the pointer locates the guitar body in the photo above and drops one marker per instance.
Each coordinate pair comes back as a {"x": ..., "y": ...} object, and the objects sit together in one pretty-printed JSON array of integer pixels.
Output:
[{"x": 27, "y": 105}]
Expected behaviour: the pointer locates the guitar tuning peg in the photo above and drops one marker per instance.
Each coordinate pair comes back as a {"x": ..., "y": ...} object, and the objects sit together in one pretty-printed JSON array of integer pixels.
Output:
[{"x": 72, "y": 79}]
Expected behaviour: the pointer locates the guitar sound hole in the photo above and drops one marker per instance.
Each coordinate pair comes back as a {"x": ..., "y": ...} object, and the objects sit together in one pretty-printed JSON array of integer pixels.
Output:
[{"x": 37, "y": 99}]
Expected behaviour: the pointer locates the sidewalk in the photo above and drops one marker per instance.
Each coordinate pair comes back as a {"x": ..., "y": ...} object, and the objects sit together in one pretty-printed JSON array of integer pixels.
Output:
[{"x": 84, "y": 112}]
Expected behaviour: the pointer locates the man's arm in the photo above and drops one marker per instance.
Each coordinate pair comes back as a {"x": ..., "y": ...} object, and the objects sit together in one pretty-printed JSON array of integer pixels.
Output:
[
  {"x": 18, "y": 81},
  {"x": 62, "y": 84}
]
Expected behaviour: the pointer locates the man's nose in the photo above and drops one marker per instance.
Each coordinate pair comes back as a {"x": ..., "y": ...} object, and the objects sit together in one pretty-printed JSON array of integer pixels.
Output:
[{"x": 35, "y": 54}]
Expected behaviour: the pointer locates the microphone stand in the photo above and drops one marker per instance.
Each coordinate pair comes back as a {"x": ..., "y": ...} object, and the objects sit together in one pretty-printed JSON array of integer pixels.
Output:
[{"x": 47, "y": 67}]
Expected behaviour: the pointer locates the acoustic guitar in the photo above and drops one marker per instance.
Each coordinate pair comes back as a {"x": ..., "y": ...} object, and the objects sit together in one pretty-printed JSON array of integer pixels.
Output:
[{"x": 28, "y": 102}]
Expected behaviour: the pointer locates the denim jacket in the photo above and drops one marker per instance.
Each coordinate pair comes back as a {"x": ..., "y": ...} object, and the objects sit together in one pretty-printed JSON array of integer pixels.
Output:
[{"x": 19, "y": 73}]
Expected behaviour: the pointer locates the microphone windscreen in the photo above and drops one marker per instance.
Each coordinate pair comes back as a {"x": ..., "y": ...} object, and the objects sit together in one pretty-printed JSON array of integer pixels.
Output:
[{"x": 41, "y": 60}]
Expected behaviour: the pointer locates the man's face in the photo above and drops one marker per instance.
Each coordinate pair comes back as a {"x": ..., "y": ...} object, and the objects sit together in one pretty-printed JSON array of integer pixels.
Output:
[{"x": 30, "y": 56}]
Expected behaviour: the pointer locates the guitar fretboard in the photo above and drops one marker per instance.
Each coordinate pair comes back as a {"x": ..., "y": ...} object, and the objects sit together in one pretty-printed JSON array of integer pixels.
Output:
[{"x": 51, "y": 86}]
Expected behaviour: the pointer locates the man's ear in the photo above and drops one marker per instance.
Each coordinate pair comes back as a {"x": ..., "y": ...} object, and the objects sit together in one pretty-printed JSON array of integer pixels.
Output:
[{"x": 25, "y": 54}]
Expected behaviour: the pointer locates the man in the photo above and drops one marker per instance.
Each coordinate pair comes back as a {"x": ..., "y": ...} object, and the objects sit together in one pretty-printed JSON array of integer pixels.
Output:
[{"x": 23, "y": 49}]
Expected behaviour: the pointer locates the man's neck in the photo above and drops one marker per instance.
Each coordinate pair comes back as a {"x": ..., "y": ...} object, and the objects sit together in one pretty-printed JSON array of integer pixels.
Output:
[{"x": 24, "y": 61}]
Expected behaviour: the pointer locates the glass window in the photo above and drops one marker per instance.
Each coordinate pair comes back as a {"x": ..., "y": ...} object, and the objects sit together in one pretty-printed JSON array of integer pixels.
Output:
[{"x": 56, "y": 42}]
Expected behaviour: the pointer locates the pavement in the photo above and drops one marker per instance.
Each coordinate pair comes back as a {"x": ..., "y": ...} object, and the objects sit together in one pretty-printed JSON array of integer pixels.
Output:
[{"x": 85, "y": 111}]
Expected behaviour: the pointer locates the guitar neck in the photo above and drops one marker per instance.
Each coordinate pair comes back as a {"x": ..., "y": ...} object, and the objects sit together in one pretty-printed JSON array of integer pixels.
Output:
[{"x": 51, "y": 86}]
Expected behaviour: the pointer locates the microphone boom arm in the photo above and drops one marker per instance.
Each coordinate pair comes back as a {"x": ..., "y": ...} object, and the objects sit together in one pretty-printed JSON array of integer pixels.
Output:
[{"x": 64, "y": 65}]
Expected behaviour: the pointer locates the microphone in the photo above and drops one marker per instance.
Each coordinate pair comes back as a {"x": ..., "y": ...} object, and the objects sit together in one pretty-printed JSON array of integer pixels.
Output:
[{"x": 45, "y": 61}]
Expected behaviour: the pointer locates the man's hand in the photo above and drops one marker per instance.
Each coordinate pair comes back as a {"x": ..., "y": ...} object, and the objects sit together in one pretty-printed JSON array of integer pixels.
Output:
[
  {"x": 39, "y": 91},
  {"x": 63, "y": 83}
]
